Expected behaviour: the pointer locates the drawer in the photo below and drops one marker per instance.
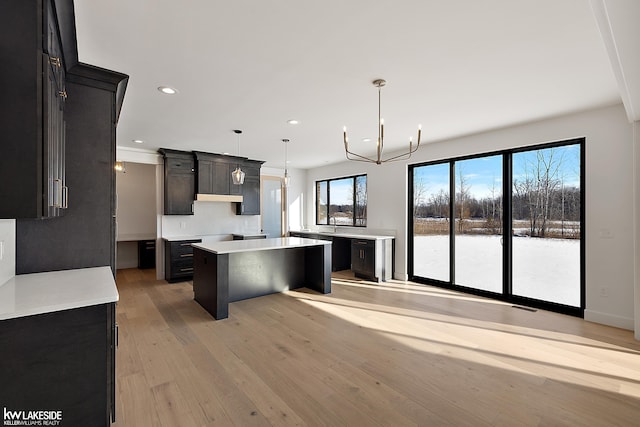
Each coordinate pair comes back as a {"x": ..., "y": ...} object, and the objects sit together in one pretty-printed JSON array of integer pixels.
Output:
[
  {"x": 183, "y": 267},
  {"x": 182, "y": 249}
]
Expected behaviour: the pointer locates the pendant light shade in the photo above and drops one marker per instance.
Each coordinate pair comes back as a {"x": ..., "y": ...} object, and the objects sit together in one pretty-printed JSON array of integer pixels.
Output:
[{"x": 237, "y": 176}]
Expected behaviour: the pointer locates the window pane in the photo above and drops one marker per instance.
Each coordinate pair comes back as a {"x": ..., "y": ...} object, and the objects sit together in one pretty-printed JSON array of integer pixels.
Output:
[
  {"x": 341, "y": 199},
  {"x": 431, "y": 222},
  {"x": 546, "y": 224},
  {"x": 321, "y": 202},
  {"x": 361, "y": 200},
  {"x": 478, "y": 223}
]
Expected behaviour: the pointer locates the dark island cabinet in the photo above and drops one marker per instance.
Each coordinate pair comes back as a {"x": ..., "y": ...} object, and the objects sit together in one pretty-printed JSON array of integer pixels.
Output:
[
  {"x": 178, "y": 264},
  {"x": 32, "y": 123},
  {"x": 179, "y": 182},
  {"x": 250, "y": 190},
  {"x": 61, "y": 361}
]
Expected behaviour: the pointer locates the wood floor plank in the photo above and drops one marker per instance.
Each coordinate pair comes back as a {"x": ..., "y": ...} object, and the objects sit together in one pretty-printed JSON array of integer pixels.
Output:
[{"x": 394, "y": 353}]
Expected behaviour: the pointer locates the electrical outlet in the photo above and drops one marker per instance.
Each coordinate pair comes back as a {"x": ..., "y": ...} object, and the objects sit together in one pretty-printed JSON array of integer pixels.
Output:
[
  {"x": 183, "y": 225},
  {"x": 604, "y": 292}
]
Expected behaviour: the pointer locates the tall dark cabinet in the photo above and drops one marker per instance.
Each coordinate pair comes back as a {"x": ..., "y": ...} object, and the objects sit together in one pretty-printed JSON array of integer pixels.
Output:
[
  {"x": 57, "y": 139},
  {"x": 32, "y": 165}
]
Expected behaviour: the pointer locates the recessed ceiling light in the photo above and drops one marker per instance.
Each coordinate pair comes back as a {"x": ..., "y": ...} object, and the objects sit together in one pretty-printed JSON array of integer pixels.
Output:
[
  {"x": 137, "y": 141},
  {"x": 225, "y": 153},
  {"x": 366, "y": 139},
  {"x": 293, "y": 122},
  {"x": 168, "y": 90}
]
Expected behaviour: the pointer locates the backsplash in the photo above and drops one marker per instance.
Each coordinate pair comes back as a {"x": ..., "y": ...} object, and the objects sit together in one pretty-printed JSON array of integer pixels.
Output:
[
  {"x": 210, "y": 218},
  {"x": 7, "y": 249}
]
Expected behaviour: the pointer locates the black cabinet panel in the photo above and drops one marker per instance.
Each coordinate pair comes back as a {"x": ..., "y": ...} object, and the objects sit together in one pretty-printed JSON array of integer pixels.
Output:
[
  {"x": 179, "y": 182},
  {"x": 32, "y": 106},
  {"x": 62, "y": 361}
]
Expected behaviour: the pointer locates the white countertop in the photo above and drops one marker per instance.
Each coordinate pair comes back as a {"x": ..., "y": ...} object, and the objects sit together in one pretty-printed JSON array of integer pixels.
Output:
[
  {"x": 347, "y": 235},
  {"x": 39, "y": 293},
  {"x": 258, "y": 244}
]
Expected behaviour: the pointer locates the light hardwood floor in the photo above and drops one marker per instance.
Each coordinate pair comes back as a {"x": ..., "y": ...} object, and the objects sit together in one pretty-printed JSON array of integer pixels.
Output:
[{"x": 389, "y": 354}]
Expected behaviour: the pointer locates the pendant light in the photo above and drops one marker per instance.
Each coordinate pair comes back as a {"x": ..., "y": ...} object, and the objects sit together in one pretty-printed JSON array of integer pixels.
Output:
[
  {"x": 286, "y": 180},
  {"x": 238, "y": 175}
]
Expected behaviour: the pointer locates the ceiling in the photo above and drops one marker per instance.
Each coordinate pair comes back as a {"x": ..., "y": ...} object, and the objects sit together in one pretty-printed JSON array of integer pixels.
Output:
[{"x": 455, "y": 67}]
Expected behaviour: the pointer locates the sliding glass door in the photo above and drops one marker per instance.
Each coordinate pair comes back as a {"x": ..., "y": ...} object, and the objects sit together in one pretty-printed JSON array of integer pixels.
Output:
[
  {"x": 546, "y": 223},
  {"x": 431, "y": 221},
  {"x": 478, "y": 223},
  {"x": 507, "y": 224}
]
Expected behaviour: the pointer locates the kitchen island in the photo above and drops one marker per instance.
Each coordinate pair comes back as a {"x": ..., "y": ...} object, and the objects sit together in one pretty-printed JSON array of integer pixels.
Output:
[{"x": 235, "y": 270}]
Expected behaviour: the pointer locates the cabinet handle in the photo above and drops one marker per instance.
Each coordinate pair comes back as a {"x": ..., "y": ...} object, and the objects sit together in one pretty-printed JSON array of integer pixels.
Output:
[
  {"x": 65, "y": 197},
  {"x": 57, "y": 193},
  {"x": 63, "y": 94},
  {"x": 54, "y": 60},
  {"x": 187, "y": 269},
  {"x": 186, "y": 255}
]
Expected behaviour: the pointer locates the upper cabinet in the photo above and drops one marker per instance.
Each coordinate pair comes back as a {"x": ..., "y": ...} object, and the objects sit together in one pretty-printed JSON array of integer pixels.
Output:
[
  {"x": 190, "y": 174},
  {"x": 214, "y": 173},
  {"x": 250, "y": 190},
  {"x": 32, "y": 122},
  {"x": 179, "y": 182}
]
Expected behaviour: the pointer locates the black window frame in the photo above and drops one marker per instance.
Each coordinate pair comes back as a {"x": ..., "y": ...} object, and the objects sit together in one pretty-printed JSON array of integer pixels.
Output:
[
  {"x": 506, "y": 294},
  {"x": 356, "y": 220}
]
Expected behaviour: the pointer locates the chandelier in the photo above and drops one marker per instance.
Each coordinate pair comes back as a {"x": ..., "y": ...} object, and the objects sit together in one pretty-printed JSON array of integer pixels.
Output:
[{"x": 380, "y": 143}]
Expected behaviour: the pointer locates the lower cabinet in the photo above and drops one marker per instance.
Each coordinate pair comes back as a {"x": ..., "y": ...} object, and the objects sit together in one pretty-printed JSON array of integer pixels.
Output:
[
  {"x": 61, "y": 362},
  {"x": 178, "y": 265},
  {"x": 363, "y": 258}
]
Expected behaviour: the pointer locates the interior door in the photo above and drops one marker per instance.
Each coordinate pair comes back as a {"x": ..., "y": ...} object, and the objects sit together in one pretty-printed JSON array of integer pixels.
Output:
[{"x": 272, "y": 206}]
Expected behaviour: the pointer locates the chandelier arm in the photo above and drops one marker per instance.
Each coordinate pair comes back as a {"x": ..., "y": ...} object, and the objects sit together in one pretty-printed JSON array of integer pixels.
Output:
[{"x": 360, "y": 159}]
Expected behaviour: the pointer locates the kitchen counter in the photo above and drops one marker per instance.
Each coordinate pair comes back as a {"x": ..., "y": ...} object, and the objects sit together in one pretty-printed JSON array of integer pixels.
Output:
[
  {"x": 240, "y": 269},
  {"x": 233, "y": 246},
  {"x": 345, "y": 235},
  {"x": 39, "y": 293}
]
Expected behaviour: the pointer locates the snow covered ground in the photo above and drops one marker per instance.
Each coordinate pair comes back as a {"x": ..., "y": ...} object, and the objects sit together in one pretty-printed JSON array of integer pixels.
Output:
[{"x": 545, "y": 269}]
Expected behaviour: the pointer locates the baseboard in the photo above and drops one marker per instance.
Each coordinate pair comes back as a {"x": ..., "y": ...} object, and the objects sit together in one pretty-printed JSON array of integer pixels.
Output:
[{"x": 609, "y": 319}]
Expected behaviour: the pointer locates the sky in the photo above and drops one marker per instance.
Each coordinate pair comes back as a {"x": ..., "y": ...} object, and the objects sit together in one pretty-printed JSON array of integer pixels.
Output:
[{"x": 483, "y": 175}]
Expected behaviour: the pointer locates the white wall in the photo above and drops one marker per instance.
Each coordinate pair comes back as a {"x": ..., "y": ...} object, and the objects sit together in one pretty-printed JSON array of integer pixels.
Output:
[
  {"x": 7, "y": 249},
  {"x": 209, "y": 219},
  {"x": 609, "y": 201},
  {"x": 136, "y": 211}
]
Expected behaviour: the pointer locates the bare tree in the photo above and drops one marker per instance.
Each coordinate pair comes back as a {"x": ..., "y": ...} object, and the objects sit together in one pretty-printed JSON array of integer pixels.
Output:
[{"x": 461, "y": 197}]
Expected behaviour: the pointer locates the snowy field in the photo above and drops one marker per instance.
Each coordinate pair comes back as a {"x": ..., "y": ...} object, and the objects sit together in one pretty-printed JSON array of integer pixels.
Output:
[{"x": 544, "y": 269}]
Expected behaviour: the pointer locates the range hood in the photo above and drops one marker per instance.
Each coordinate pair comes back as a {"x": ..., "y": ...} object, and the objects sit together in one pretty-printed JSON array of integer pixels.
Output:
[{"x": 218, "y": 198}]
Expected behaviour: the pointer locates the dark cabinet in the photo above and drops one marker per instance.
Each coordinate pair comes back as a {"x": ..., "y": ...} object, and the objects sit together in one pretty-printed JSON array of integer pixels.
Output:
[
  {"x": 250, "y": 190},
  {"x": 146, "y": 254},
  {"x": 179, "y": 182},
  {"x": 61, "y": 361},
  {"x": 178, "y": 264},
  {"x": 32, "y": 122},
  {"x": 214, "y": 173},
  {"x": 363, "y": 258}
]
